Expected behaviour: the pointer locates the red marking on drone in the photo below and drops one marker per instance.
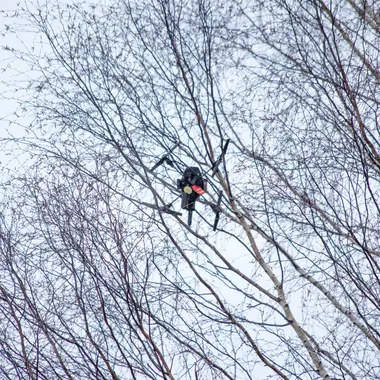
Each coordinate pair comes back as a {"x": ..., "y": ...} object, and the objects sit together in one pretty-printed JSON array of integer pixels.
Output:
[{"x": 198, "y": 189}]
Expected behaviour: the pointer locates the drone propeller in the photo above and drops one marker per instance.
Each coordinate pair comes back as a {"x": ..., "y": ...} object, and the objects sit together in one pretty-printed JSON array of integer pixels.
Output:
[
  {"x": 165, "y": 159},
  {"x": 216, "y": 209},
  {"x": 215, "y": 166}
]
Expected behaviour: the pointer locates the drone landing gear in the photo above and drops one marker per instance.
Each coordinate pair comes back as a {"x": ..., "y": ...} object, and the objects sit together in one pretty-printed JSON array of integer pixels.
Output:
[{"x": 189, "y": 217}]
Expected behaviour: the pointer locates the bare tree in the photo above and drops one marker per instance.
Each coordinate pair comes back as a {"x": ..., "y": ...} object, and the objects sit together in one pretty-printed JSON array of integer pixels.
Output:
[{"x": 99, "y": 282}]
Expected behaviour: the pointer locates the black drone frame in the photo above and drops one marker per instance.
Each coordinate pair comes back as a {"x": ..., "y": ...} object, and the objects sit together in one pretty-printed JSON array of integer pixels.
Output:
[{"x": 181, "y": 184}]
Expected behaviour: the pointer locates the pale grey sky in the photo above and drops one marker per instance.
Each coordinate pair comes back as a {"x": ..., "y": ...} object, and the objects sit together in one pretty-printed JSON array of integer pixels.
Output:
[{"x": 10, "y": 72}]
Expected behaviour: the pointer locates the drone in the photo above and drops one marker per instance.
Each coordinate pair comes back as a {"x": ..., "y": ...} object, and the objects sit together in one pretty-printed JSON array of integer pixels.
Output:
[{"x": 192, "y": 185}]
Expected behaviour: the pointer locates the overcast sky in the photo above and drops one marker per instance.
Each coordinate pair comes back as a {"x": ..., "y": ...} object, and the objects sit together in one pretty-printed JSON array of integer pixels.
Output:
[{"x": 10, "y": 72}]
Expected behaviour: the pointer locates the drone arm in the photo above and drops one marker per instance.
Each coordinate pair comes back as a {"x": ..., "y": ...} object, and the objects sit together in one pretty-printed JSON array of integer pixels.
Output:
[
  {"x": 215, "y": 167},
  {"x": 159, "y": 163},
  {"x": 225, "y": 147},
  {"x": 217, "y": 217},
  {"x": 174, "y": 147},
  {"x": 165, "y": 158},
  {"x": 217, "y": 210},
  {"x": 166, "y": 208}
]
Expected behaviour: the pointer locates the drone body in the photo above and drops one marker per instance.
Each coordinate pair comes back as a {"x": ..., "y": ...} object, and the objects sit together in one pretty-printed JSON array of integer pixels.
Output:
[{"x": 192, "y": 185}]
